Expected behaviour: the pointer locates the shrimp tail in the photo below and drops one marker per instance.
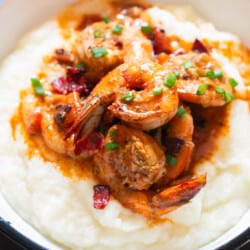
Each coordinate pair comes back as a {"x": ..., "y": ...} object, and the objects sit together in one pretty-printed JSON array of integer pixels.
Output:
[
  {"x": 177, "y": 195},
  {"x": 91, "y": 103}
]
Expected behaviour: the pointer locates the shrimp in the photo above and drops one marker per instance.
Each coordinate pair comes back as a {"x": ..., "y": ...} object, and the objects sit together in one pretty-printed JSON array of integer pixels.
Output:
[
  {"x": 198, "y": 82},
  {"x": 133, "y": 167},
  {"x": 119, "y": 42},
  {"x": 52, "y": 116},
  {"x": 178, "y": 143},
  {"x": 129, "y": 90}
]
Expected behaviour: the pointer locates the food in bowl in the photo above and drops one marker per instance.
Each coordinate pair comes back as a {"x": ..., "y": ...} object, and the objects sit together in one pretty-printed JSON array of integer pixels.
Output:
[{"x": 123, "y": 121}]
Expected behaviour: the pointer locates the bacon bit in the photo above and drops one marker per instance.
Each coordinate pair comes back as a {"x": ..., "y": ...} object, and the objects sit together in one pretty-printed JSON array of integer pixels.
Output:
[
  {"x": 33, "y": 125},
  {"x": 161, "y": 42},
  {"x": 64, "y": 57},
  {"x": 75, "y": 74},
  {"x": 101, "y": 196},
  {"x": 90, "y": 145},
  {"x": 74, "y": 81},
  {"x": 173, "y": 145},
  {"x": 119, "y": 45},
  {"x": 199, "y": 47}
]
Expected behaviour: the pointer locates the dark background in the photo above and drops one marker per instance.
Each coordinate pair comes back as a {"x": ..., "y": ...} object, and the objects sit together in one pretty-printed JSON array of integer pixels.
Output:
[{"x": 12, "y": 240}]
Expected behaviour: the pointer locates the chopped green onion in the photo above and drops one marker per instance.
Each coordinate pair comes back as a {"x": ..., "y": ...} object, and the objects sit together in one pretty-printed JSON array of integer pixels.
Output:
[
  {"x": 157, "y": 91},
  {"x": 220, "y": 90},
  {"x": 181, "y": 112},
  {"x": 213, "y": 74},
  {"x": 110, "y": 146},
  {"x": 99, "y": 34},
  {"x": 202, "y": 89},
  {"x": 128, "y": 97},
  {"x": 99, "y": 52},
  {"x": 176, "y": 73},
  {"x": 228, "y": 97},
  {"x": 171, "y": 160},
  {"x": 188, "y": 64},
  {"x": 233, "y": 82},
  {"x": 37, "y": 87},
  {"x": 146, "y": 29},
  {"x": 105, "y": 19},
  {"x": 218, "y": 73},
  {"x": 117, "y": 29},
  {"x": 210, "y": 74},
  {"x": 112, "y": 134},
  {"x": 170, "y": 81},
  {"x": 80, "y": 65}
]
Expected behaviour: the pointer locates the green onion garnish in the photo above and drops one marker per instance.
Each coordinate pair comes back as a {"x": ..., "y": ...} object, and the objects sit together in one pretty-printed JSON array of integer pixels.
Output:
[
  {"x": 157, "y": 91},
  {"x": 99, "y": 34},
  {"x": 202, "y": 89},
  {"x": 213, "y": 74},
  {"x": 233, "y": 82},
  {"x": 37, "y": 87},
  {"x": 105, "y": 19},
  {"x": 110, "y": 146},
  {"x": 176, "y": 73},
  {"x": 218, "y": 73},
  {"x": 99, "y": 52},
  {"x": 188, "y": 64},
  {"x": 112, "y": 134},
  {"x": 146, "y": 29},
  {"x": 171, "y": 160},
  {"x": 117, "y": 29},
  {"x": 80, "y": 65},
  {"x": 228, "y": 97},
  {"x": 210, "y": 74},
  {"x": 220, "y": 90},
  {"x": 128, "y": 97},
  {"x": 181, "y": 112},
  {"x": 170, "y": 81}
]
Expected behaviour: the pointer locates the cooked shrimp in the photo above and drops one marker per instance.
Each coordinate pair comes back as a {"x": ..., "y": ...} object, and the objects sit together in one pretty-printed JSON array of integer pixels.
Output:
[
  {"x": 200, "y": 79},
  {"x": 117, "y": 42},
  {"x": 133, "y": 166},
  {"x": 139, "y": 160},
  {"x": 52, "y": 116},
  {"x": 129, "y": 88},
  {"x": 178, "y": 142}
]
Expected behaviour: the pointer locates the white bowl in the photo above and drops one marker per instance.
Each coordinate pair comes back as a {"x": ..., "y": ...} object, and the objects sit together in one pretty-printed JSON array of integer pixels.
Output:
[{"x": 19, "y": 16}]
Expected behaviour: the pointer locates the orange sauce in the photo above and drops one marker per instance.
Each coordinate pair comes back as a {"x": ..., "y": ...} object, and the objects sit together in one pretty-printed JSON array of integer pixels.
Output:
[
  {"x": 211, "y": 123},
  {"x": 36, "y": 146}
]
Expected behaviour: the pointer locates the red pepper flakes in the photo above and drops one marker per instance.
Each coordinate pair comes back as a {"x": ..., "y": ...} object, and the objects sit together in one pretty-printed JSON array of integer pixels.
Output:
[{"x": 101, "y": 196}]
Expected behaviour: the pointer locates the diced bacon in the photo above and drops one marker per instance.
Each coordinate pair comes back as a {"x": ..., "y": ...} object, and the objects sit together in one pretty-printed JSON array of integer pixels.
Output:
[
  {"x": 90, "y": 145},
  {"x": 161, "y": 41},
  {"x": 199, "y": 47},
  {"x": 101, "y": 196},
  {"x": 173, "y": 145},
  {"x": 75, "y": 74}
]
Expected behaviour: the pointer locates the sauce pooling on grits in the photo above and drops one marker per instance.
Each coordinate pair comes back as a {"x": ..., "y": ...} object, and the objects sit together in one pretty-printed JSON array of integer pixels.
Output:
[{"x": 132, "y": 107}]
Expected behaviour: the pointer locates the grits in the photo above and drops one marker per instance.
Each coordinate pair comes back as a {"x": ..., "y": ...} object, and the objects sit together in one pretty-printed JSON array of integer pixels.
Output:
[{"x": 62, "y": 208}]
